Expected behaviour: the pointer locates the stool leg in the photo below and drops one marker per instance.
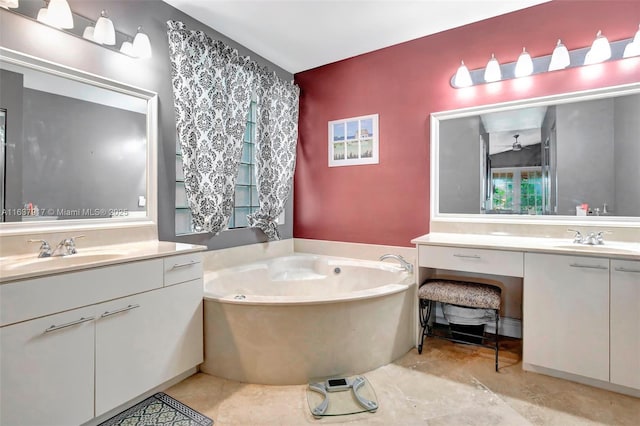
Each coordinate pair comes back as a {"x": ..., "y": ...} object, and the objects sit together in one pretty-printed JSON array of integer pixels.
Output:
[
  {"x": 497, "y": 319},
  {"x": 424, "y": 311}
]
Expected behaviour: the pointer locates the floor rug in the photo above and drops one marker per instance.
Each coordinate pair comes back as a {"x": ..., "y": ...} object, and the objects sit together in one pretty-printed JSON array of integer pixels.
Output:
[{"x": 159, "y": 409}]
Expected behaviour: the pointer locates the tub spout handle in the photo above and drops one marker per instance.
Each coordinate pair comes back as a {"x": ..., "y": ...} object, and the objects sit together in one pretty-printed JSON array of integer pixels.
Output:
[{"x": 406, "y": 265}]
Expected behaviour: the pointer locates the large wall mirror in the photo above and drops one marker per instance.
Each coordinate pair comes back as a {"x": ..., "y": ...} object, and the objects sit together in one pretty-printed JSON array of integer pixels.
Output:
[
  {"x": 77, "y": 148},
  {"x": 567, "y": 157}
]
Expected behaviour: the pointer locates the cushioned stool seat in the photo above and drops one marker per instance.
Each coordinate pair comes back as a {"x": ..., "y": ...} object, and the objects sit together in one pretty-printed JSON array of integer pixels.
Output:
[
  {"x": 472, "y": 295},
  {"x": 460, "y": 293}
]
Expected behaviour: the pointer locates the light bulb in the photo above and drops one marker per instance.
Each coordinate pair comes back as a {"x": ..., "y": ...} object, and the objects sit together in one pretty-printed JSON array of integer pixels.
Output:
[
  {"x": 59, "y": 14},
  {"x": 462, "y": 78},
  {"x": 633, "y": 48},
  {"x": 127, "y": 48},
  {"x": 141, "y": 45},
  {"x": 600, "y": 50},
  {"x": 524, "y": 66},
  {"x": 560, "y": 57},
  {"x": 492, "y": 72},
  {"x": 42, "y": 15},
  {"x": 9, "y": 4},
  {"x": 104, "y": 32},
  {"x": 88, "y": 33}
]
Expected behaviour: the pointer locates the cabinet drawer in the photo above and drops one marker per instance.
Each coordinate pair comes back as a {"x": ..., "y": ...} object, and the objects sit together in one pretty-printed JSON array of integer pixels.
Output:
[
  {"x": 23, "y": 300},
  {"x": 179, "y": 269},
  {"x": 497, "y": 262}
]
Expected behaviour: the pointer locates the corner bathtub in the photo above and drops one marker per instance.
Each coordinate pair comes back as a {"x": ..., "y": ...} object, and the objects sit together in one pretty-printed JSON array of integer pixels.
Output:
[{"x": 290, "y": 319}]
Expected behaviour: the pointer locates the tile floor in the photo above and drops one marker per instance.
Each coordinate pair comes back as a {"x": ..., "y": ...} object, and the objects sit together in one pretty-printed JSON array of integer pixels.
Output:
[{"x": 449, "y": 384}]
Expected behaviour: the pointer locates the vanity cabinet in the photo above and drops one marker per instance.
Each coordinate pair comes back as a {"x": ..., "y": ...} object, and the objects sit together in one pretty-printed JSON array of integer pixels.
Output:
[
  {"x": 65, "y": 368},
  {"x": 46, "y": 374},
  {"x": 625, "y": 323},
  {"x": 566, "y": 314},
  {"x": 145, "y": 340},
  {"x": 580, "y": 304}
]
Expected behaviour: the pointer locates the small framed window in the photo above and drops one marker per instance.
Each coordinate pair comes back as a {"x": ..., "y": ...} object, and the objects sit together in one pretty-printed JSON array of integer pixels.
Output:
[{"x": 353, "y": 141}]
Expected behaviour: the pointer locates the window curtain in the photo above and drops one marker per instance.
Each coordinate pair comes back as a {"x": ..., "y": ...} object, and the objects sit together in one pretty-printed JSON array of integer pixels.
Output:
[
  {"x": 212, "y": 86},
  {"x": 276, "y": 138}
]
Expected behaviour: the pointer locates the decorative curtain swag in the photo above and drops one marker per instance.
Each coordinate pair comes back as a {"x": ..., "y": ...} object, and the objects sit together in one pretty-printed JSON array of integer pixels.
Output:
[{"x": 212, "y": 87}]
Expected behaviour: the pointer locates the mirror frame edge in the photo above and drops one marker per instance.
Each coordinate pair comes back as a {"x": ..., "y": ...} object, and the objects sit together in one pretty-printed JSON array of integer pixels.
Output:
[
  {"x": 150, "y": 220},
  {"x": 513, "y": 219}
]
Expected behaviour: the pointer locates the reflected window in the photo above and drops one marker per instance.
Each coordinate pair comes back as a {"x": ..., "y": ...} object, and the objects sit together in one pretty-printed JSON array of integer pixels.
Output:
[{"x": 517, "y": 190}]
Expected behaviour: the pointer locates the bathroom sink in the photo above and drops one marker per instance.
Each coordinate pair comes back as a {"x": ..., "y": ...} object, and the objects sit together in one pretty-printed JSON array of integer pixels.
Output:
[
  {"x": 605, "y": 248},
  {"x": 61, "y": 261}
]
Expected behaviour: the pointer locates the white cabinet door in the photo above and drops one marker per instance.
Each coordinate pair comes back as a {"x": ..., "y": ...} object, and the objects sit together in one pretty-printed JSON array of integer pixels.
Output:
[
  {"x": 46, "y": 374},
  {"x": 566, "y": 314},
  {"x": 145, "y": 340},
  {"x": 625, "y": 323}
]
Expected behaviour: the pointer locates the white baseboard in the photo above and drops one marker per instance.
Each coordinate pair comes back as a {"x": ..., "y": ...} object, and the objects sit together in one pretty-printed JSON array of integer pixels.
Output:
[{"x": 581, "y": 379}]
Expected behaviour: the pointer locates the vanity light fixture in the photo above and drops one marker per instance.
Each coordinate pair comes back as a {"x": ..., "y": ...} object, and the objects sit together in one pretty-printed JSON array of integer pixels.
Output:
[
  {"x": 59, "y": 14},
  {"x": 9, "y": 4},
  {"x": 492, "y": 72},
  {"x": 462, "y": 78},
  {"x": 600, "y": 50},
  {"x": 104, "y": 32},
  {"x": 524, "y": 66},
  {"x": 633, "y": 48},
  {"x": 560, "y": 57},
  {"x": 141, "y": 45}
]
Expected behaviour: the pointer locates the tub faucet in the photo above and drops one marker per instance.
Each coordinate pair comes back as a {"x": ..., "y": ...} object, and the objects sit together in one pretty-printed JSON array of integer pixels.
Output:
[{"x": 406, "y": 265}]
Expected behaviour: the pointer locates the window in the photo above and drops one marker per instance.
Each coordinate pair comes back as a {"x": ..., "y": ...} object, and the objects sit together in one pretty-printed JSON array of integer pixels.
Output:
[
  {"x": 517, "y": 190},
  {"x": 246, "y": 196}
]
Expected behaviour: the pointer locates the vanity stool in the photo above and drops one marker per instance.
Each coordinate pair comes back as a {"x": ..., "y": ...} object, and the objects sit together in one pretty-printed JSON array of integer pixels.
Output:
[{"x": 460, "y": 293}]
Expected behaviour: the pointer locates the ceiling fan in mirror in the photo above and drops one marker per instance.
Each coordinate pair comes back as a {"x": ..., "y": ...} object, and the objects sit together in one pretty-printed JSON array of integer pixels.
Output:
[{"x": 517, "y": 146}]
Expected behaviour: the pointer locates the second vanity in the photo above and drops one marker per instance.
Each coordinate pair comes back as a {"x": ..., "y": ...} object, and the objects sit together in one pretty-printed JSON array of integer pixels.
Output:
[
  {"x": 580, "y": 303},
  {"x": 84, "y": 334}
]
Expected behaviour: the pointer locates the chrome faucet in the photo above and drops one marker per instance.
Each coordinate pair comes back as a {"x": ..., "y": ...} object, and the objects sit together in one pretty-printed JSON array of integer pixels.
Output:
[
  {"x": 406, "y": 265},
  {"x": 45, "y": 248},
  {"x": 66, "y": 247},
  {"x": 577, "y": 239},
  {"x": 592, "y": 239}
]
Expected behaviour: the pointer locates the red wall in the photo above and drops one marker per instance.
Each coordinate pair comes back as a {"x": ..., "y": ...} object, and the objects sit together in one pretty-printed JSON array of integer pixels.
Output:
[{"x": 388, "y": 203}]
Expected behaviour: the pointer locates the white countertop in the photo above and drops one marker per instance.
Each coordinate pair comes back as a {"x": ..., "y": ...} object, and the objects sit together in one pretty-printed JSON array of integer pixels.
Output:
[
  {"x": 22, "y": 266},
  {"x": 613, "y": 249}
]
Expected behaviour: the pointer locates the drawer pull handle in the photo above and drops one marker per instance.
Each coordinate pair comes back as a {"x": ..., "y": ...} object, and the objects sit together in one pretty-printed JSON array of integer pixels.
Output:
[
  {"x": 69, "y": 324},
  {"x": 183, "y": 265},
  {"x": 621, "y": 269},
  {"x": 117, "y": 311},
  {"x": 467, "y": 256},
  {"x": 577, "y": 265}
]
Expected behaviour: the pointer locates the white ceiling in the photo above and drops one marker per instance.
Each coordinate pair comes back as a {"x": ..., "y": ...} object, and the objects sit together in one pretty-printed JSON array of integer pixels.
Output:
[
  {"x": 503, "y": 125},
  {"x": 298, "y": 35}
]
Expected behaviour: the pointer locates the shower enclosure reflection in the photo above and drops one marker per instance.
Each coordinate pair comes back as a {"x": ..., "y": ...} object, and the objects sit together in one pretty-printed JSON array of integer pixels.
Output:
[{"x": 547, "y": 159}]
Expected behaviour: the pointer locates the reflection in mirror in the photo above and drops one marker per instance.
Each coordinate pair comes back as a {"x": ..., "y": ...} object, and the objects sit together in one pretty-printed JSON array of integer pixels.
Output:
[
  {"x": 570, "y": 157},
  {"x": 74, "y": 149}
]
